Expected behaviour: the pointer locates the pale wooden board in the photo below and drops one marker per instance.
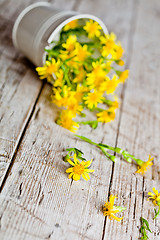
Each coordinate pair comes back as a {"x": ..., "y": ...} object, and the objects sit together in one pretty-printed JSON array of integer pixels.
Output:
[
  {"x": 39, "y": 201},
  {"x": 139, "y": 130},
  {"x": 19, "y": 87}
]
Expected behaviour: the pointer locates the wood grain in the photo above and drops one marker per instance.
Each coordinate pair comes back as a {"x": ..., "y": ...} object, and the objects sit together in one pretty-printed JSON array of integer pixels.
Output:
[{"x": 38, "y": 201}]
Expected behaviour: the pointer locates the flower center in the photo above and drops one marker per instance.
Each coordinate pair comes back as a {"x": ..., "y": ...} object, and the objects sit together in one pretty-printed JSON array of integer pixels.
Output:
[
  {"x": 51, "y": 69},
  {"x": 78, "y": 169}
]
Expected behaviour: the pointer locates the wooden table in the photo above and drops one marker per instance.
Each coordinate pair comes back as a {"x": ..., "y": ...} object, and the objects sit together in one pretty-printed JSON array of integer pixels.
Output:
[{"x": 37, "y": 199}]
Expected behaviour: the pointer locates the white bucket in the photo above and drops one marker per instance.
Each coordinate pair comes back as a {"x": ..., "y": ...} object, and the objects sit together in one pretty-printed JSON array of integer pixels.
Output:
[{"x": 38, "y": 25}]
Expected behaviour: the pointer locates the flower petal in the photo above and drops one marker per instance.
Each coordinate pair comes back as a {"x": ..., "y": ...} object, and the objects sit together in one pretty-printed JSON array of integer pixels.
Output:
[{"x": 69, "y": 170}]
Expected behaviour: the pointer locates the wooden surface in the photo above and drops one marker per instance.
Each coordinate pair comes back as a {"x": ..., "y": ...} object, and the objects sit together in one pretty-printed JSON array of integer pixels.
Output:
[{"x": 37, "y": 199}]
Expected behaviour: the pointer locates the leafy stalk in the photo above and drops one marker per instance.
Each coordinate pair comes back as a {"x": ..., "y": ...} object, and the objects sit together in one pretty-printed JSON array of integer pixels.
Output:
[{"x": 144, "y": 228}]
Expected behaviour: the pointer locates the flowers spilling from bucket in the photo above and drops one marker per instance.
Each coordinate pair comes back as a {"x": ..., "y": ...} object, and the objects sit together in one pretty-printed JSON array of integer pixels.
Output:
[{"x": 84, "y": 68}]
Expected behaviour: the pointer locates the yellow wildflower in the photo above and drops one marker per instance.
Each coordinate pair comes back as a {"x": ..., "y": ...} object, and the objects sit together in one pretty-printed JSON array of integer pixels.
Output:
[
  {"x": 117, "y": 52},
  {"x": 73, "y": 106},
  {"x": 106, "y": 115},
  {"x": 144, "y": 165},
  {"x": 104, "y": 85},
  {"x": 59, "y": 80},
  {"x": 97, "y": 76},
  {"x": 80, "y": 75},
  {"x": 48, "y": 70},
  {"x": 93, "y": 99},
  {"x": 108, "y": 42},
  {"x": 155, "y": 196},
  {"x": 65, "y": 120},
  {"x": 112, "y": 84},
  {"x": 78, "y": 94},
  {"x": 71, "y": 25},
  {"x": 61, "y": 99},
  {"x": 70, "y": 43},
  {"x": 109, "y": 209},
  {"x": 123, "y": 76},
  {"x": 115, "y": 103},
  {"x": 92, "y": 28},
  {"x": 81, "y": 52},
  {"x": 79, "y": 169}
]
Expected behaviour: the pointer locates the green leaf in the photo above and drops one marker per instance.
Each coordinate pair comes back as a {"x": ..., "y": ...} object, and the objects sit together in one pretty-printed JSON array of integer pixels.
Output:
[
  {"x": 156, "y": 213},
  {"x": 144, "y": 227}
]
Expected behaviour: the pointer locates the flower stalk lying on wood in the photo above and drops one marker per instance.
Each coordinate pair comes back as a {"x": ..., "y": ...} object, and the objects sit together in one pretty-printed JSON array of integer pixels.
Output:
[
  {"x": 142, "y": 166},
  {"x": 84, "y": 70}
]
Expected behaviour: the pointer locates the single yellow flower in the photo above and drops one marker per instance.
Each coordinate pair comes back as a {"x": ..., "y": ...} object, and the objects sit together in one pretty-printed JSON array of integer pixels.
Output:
[
  {"x": 65, "y": 120},
  {"x": 97, "y": 76},
  {"x": 109, "y": 209},
  {"x": 79, "y": 169},
  {"x": 59, "y": 99},
  {"x": 48, "y": 70},
  {"x": 71, "y": 25},
  {"x": 155, "y": 196},
  {"x": 81, "y": 52},
  {"x": 59, "y": 80},
  {"x": 93, "y": 99},
  {"x": 123, "y": 76},
  {"x": 70, "y": 43},
  {"x": 143, "y": 166},
  {"x": 81, "y": 73},
  {"x": 73, "y": 106},
  {"x": 92, "y": 28},
  {"x": 78, "y": 94},
  {"x": 112, "y": 84},
  {"x": 108, "y": 42},
  {"x": 106, "y": 115},
  {"x": 117, "y": 52}
]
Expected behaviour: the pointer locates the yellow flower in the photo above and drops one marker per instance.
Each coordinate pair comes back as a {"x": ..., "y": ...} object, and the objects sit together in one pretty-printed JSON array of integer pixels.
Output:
[
  {"x": 143, "y": 166},
  {"x": 71, "y": 25},
  {"x": 93, "y": 99},
  {"x": 60, "y": 100},
  {"x": 155, "y": 196},
  {"x": 112, "y": 85},
  {"x": 104, "y": 85},
  {"x": 92, "y": 28},
  {"x": 59, "y": 79},
  {"x": 106, "y": 115},
  {"x": 79, "y": 169},
  {"x": 81, "y": 52},
  {"x": 65, "y": 120},
  {"x": 109, "y": 209},
  {"x": 78, "y": 94},
  {"x": 48, "y": 70},
  {"x": 80, "y": 75},
  {"x": 123, "y": 76},
  {"x": 117, "y": 52},
  {"x": 70, "y": 43},
  {"x": 97, "y": 76},
  {"x": 73, "y": 106},
  {"x": 108, "y": 42}
]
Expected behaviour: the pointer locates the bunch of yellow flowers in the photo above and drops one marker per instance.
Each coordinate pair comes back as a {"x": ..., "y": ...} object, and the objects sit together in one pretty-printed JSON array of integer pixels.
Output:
[{"x": 80, "y": 68}]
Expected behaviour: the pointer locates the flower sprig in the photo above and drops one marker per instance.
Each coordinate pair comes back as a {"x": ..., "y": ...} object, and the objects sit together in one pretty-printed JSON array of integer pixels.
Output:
[
  {"x": 142, "y": 166},
  {"x": 78, "y": 168},
  {"x": 109, "y": 209},
  {"x": 83, "y": 67}
]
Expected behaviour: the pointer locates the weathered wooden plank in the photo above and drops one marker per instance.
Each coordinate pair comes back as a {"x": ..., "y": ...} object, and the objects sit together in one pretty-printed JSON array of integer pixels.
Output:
[
  {"x": 19, "y": 88},
  {"x": 45, "y": 203},
  {"x": 139, "y": 126}
]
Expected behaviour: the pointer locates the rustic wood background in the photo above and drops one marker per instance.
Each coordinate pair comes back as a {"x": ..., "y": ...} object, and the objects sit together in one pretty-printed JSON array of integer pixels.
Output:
[{"x": 37, "y": 199}]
